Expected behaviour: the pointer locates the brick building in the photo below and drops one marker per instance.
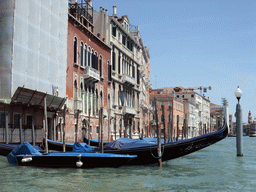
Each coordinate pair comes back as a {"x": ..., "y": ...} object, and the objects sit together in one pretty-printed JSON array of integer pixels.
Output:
[{"x": 88, "y": 84}]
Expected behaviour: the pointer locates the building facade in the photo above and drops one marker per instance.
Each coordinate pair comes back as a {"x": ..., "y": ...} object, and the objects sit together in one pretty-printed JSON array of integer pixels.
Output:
[
  {"x": 88, "y": 70},
  {"x": 201, "y": 103},
  {"x": 126, "y": 58},
  {"x": 33, "y": 53},
  {"x": 171, "y": 115}
]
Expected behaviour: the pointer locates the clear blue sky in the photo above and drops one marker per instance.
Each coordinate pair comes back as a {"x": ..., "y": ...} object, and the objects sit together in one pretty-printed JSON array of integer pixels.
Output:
[{"x": 196, "y": 43}]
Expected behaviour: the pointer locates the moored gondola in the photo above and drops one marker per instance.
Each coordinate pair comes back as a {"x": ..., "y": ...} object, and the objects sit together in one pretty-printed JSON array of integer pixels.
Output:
[{"x": 146, "y": 151}]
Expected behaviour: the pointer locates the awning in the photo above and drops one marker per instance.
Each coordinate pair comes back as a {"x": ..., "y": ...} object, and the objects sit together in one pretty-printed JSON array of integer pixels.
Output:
[{"x": 31, "y": 97}]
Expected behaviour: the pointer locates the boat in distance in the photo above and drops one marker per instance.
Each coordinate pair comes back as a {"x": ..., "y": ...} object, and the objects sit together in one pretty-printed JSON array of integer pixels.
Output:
[{"x": 146, "y": 152}]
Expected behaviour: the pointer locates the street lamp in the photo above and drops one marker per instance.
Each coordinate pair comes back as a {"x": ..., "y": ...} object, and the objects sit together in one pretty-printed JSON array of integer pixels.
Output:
[
  {"x": 238, "y": 93},
  {"x": 239, "y": 128}
]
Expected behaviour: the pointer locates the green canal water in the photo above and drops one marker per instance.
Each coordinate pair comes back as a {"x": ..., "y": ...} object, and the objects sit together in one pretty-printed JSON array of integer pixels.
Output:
[{"x": 215, "y": 168}]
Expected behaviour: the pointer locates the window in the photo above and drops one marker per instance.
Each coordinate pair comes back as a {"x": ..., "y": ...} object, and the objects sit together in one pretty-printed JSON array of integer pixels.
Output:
[
  {"x": 123, "y": 40},
  {"x": 119, "y": 63},
  {"x": 75, "y": 50},
  {"x": 114, "y": 31},
  {"x": 192, "y": 95},
  {"x": 138, "y": 76},
  {"x": 133, "y": 71},
  {"x": 82, "y": 54},
  {"x": 97, "y": 129},
  {"x": 114, "y": 60},
  {"x": 85, "y": 56},
  {"x": 89, "y": 57},
  {"x": 119, "y": 36},
  {"x": 101, "y": 73},
  {"x": 95, "y": 60},
  {"x": 109, "y": 72}
]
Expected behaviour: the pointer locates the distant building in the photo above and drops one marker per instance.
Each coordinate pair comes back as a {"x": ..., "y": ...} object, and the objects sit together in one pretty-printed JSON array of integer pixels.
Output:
[
  {"x": 171, "y": 117},
  {"x": 201, "y": 103}
]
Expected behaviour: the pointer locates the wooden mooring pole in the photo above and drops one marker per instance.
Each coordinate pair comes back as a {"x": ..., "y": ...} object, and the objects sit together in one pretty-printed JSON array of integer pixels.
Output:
[
  {"x": 64, "y": 124},
  {"x": 158, "y": 137},
  {"x": 45, "y": 125}
]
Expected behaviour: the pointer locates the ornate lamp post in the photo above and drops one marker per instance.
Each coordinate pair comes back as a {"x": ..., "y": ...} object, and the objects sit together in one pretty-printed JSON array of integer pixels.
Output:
[{"x": 239, "y": 128}]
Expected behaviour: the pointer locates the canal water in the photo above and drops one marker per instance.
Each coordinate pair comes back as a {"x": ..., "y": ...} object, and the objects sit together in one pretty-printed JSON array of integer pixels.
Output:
[{"x": 215, "y": 168}]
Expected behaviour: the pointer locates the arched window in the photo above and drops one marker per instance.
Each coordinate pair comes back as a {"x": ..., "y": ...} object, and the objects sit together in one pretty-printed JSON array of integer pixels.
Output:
[
  {"x": 101, "y": 69},
  {"x": 109, "y": 72},
  {"x": 93, "y": 59},
  {"x": 75, "y": 50},
  {"x": 82, "y": 54},
  {"x": 85, "y": 56},
  {"x": 89, "y": 56},
  {"x": 96, "y": 61}
]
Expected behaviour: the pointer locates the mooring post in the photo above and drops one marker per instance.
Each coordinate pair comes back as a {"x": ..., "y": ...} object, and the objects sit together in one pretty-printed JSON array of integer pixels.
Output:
[
  {"x": 158, "y": 137},
  {"x": 45, "y": 125},
  {"x": 101, "y": 133},
  {"x": 6, "y": 129}
]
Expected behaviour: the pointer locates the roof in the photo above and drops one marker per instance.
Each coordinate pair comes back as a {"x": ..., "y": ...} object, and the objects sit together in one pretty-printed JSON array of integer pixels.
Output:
[{"x": 31, "y": 97}]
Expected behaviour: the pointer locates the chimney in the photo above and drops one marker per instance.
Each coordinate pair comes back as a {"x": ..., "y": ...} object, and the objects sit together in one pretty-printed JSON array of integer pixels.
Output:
[{"x": 114, "y": 11}]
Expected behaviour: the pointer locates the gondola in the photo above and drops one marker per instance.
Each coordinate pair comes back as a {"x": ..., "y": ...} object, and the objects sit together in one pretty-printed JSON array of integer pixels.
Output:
[
  {"x": 26, "y": 155},
  {"x": 147, "y": 153},
  {"x": 5, "y": 149}
]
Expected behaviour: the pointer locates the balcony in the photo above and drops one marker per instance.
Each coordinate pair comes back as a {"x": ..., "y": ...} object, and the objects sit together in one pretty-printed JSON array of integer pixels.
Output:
[
  {"x": 91, "y": 74},
  {"x": 128, "y": 80},
  {"x": 129, "y": 110}
]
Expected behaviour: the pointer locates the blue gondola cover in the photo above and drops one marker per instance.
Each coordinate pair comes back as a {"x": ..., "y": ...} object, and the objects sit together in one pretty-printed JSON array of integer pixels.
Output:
[
  {"x": 113, "y": 145},
  {"x": 24, "y": 148},
  {"x": 78, "y": 147}
]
